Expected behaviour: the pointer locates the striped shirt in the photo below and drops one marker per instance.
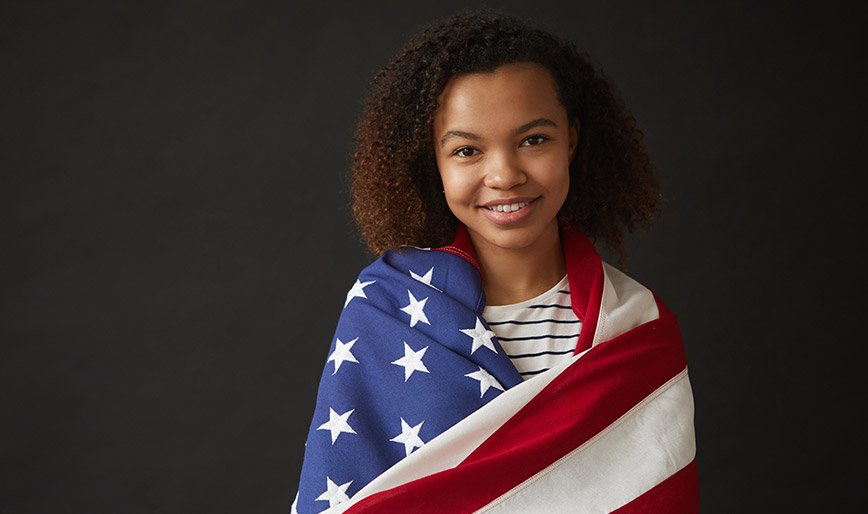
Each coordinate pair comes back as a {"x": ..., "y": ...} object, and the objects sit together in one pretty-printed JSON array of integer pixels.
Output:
[{"x": 538, "y": 333}]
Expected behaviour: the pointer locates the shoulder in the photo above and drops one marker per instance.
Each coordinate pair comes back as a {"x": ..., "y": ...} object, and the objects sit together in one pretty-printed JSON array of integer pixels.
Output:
[
  {"x": 625, "y": 304},
  {"x": 412, "y": 269}
]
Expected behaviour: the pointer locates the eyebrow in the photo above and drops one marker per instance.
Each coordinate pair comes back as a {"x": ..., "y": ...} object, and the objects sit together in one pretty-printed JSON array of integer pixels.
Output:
[{"x": 539, "y": 122}]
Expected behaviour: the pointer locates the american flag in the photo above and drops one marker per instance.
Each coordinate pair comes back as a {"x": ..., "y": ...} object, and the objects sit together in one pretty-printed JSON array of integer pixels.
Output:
[{"x": 420, "y": 410}]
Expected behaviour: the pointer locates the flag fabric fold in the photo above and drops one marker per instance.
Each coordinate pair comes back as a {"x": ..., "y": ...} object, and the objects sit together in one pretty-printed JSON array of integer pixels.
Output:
[{"x": 611, "y": 430}]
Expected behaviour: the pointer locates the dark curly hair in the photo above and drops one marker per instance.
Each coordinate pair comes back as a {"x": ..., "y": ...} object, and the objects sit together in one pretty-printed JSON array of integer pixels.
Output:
[{"x": 396, "y": 186}]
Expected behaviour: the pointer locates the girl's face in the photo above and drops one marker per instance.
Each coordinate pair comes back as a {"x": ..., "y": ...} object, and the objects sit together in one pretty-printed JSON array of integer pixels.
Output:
[{"x": 503, "y": 145}]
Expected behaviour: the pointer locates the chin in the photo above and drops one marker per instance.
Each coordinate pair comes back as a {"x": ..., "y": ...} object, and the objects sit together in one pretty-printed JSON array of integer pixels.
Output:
[{"x": 510, "y": 239}]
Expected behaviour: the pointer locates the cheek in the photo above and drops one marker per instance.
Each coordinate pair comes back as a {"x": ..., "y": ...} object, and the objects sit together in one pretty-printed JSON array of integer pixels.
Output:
[
  {"x": 456, "y": 186},
  {"x": 446, "y": 180},
  {"x": 565, "y": 191},
  {"x": 565, "y": 182},
  {"x": 558, "y": 183}
]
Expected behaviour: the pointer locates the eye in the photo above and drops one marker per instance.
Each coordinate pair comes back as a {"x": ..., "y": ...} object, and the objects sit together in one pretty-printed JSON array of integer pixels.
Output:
[
  {"x": 534, "y": 140},
  {"x": 466, "y": 151}
]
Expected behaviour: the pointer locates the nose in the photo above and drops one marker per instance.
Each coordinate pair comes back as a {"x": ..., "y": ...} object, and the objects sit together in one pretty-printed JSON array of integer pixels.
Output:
[{"x": 503, "y": 171}]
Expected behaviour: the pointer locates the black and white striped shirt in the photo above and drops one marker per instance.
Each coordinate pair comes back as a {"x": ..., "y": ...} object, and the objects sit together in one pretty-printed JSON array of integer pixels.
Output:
[{"x": 539, "y": 333}]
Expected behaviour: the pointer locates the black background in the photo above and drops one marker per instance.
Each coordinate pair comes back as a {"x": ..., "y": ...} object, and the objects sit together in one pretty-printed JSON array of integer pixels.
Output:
[{"x": 177, "y": 243}]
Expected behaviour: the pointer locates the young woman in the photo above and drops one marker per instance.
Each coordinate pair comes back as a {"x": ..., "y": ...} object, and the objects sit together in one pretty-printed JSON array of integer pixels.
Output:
[{"x": 488, "y": 359}]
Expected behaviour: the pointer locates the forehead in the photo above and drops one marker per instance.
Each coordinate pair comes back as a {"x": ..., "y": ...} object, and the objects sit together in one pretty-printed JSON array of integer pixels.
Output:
[{"x": 507, "y": 97}]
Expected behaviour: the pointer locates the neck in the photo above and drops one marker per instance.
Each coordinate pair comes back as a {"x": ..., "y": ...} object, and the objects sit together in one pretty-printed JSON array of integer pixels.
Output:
[{"x": 512, "y": 275}]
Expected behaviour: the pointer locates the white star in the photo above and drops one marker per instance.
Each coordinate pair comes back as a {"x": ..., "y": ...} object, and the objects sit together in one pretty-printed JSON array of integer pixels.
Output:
[
  {"x": 409, "y": 437},
  {"x": 481, "y": 337},
  {"x": 335, "y": 494},
  {"x": 426, "y": 278},
  {"x": 342, "y": 354},
  {"x": 485, "y": 381},
  {"x": 415, "y": 310},
  {"x": 358, "y": 289},
  {"x": 337, "y": 424},
  {"x": 412, "y": 361}
]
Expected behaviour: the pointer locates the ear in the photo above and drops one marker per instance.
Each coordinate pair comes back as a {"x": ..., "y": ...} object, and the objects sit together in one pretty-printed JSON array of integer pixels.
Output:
[{"x": 574, "y": 137}]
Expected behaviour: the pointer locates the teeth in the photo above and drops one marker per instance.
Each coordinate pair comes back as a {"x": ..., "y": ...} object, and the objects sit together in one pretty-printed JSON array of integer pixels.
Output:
[{"x": 508, "y": 207}]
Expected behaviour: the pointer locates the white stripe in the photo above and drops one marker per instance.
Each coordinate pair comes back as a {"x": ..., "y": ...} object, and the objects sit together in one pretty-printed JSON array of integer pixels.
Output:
[
  {"x": 625, "y": 304},
  {"x": 518, "y": 347},
  {"x": 534, "y": 366},
  {"x": 539, "y": 329},
  {"x": 637, "y": 452}
]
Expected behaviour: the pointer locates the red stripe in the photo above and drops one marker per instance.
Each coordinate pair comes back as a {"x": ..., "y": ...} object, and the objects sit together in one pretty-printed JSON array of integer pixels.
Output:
[
  {"x": 462, "y": 247},
  {"x": 585, "y": 273},
  {"x": 678, "y": 494},
  {"x": 586, "y": 398}
]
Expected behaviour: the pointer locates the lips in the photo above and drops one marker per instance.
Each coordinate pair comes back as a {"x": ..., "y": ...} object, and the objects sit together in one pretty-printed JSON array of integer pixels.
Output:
[
  {"x": 509, "y": 210},
  {"x": 508, "y": 205}
]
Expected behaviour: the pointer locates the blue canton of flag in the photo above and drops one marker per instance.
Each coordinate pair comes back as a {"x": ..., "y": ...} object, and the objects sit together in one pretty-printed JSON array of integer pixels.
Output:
[{"x": 411, "y": 357}]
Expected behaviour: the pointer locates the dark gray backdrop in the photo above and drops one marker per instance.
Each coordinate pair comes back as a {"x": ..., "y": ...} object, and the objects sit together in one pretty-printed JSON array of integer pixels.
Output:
[{"x": 176, "y": 237}]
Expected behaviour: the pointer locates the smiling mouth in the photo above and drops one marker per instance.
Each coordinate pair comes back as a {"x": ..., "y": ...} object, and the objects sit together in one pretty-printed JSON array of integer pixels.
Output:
[{"x": 509, "y": 207}]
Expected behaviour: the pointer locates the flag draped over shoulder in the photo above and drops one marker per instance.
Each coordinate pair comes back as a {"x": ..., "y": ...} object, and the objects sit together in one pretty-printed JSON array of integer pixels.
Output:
[{"x": 438, "y": 419}]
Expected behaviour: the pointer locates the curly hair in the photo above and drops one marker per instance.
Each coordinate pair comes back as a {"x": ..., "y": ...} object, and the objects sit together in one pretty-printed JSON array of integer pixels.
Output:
[{"x": 397, "y": 192}]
